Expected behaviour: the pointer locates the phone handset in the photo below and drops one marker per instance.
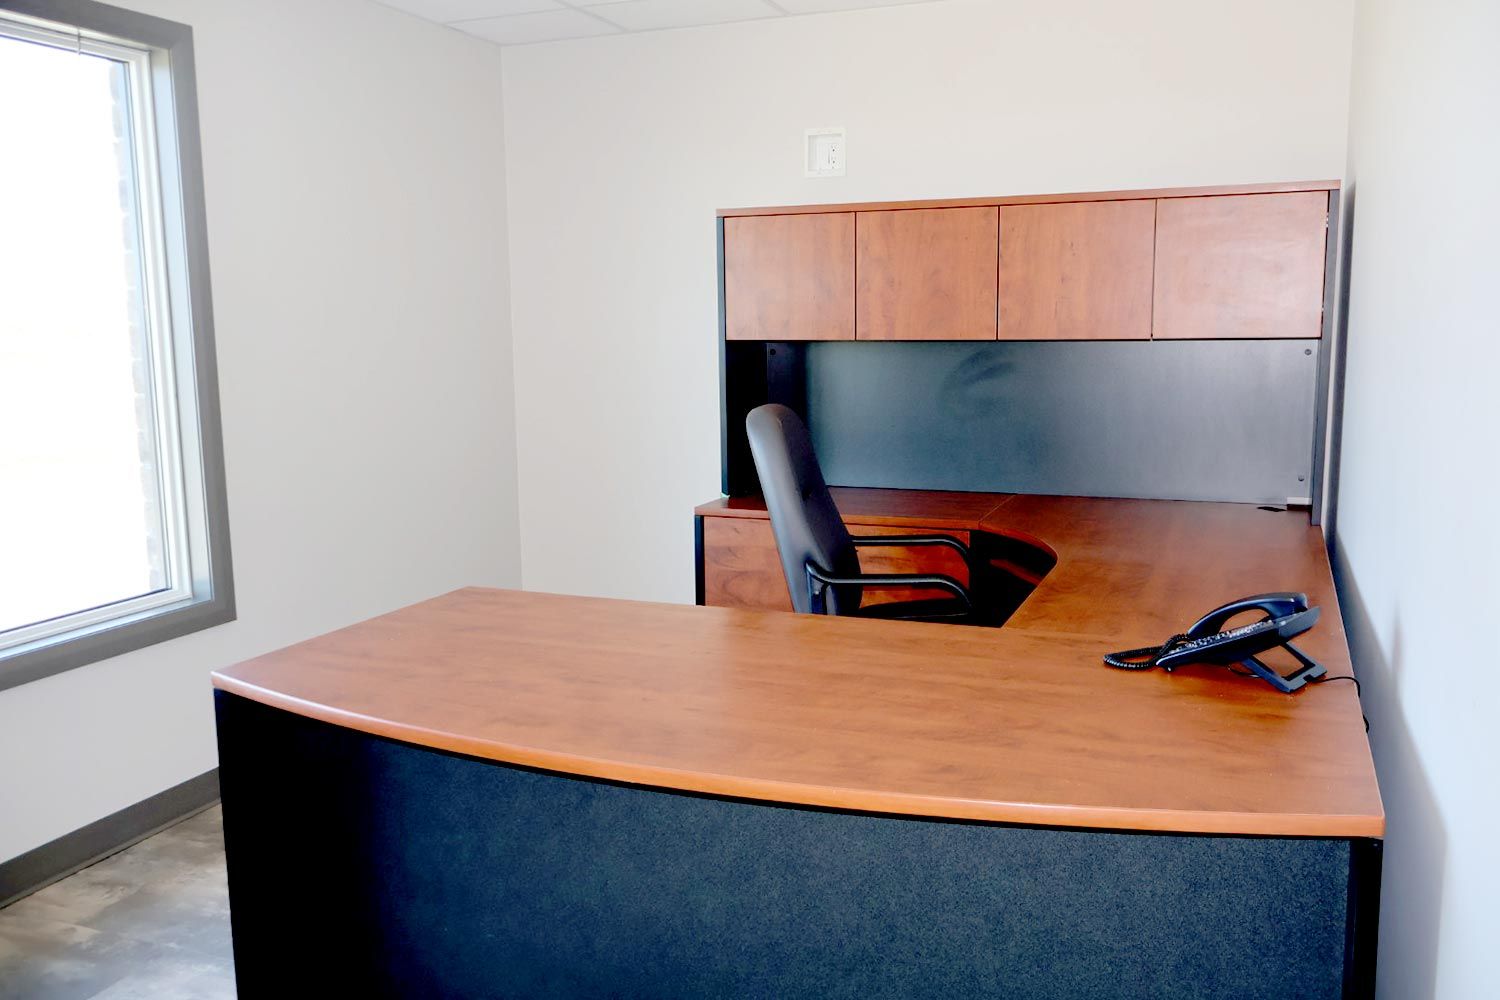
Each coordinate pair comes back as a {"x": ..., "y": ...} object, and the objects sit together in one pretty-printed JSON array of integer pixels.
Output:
[
  {"x": 1286, "y": 615},
  {"x": 1277, "y": 605}
]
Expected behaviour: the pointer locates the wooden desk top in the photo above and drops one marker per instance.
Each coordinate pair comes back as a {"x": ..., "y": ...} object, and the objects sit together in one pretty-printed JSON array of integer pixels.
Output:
[
  {"x": 1020, "y": 724},
  {"x": 895, "y": 508}
]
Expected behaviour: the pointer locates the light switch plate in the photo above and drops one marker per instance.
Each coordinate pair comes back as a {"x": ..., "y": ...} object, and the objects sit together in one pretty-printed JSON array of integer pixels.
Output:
[{"x": 823, "y": 155}]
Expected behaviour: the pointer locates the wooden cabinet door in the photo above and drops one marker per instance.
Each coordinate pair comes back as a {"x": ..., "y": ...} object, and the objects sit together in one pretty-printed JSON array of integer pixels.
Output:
[
  {"x": 789, "y": 277},
  {"x": 927, "y": 274},
  {"x": 1240, "y": 266},
  {"x": 1076, "y": 271}
]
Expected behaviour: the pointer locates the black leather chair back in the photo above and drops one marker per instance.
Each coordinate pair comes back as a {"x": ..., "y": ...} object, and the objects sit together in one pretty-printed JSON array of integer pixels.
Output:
[{"x": 804, "y": 519}]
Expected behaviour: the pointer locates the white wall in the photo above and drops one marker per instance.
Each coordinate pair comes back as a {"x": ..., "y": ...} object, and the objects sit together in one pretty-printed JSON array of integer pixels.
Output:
[
  {"x": 620, "y": 149},
  {"x": 1417, "y": 542},
  {"x": 354, "y": 162}
]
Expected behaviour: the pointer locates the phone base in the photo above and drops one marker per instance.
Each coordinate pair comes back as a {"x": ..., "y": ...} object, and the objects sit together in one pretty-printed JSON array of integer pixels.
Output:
[{"x": 1310, "y": 670}]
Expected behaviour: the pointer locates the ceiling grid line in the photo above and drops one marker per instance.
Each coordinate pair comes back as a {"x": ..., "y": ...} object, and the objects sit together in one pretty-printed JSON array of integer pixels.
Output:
[{"x": 523, "y": 22}]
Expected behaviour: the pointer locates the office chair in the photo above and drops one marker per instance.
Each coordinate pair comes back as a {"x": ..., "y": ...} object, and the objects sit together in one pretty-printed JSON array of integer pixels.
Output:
[{"x": 818, "y": 555}]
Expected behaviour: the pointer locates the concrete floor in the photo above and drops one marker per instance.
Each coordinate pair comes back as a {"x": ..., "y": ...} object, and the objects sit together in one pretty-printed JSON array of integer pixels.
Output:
[{"x": 149, "y": 922}]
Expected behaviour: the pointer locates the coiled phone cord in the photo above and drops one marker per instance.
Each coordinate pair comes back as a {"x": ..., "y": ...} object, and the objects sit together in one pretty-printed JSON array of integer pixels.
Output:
[{"x": 1146, "y": 657}]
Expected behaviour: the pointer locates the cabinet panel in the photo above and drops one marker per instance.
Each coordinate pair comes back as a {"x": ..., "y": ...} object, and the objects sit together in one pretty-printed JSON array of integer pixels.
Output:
[
  {"x": 741, "y": 568},
  {"x": 1240, "y": 266},
  {"x": 927, "y": 274},
  {"x": 1076, "y": 271},
  {"x": 789, "y": 277}
]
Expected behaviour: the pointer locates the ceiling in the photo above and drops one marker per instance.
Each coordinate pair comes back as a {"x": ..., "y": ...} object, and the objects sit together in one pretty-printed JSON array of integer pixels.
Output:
[{"x": 520, "y": 22}]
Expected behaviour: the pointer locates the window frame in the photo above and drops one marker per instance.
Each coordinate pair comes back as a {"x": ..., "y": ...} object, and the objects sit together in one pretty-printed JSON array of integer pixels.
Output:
[{"x": 168, "y": 159}]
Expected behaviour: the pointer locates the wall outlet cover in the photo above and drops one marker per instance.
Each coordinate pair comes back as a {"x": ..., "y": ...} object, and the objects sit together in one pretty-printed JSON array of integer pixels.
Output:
[{"x": 823, "y": 154}]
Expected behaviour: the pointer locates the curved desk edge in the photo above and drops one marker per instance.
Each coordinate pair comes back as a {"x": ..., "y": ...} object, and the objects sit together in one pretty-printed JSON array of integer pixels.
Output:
[{"x": 1140, "y": 820}]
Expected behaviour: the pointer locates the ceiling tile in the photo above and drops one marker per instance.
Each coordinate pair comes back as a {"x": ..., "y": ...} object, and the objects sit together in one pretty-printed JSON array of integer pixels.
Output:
[
  {"x": 545, "y": 26},
  {"x": 444, "y": 11},
  {"x": 645, "y": 15},
  {"x": 819, "y": 6}
]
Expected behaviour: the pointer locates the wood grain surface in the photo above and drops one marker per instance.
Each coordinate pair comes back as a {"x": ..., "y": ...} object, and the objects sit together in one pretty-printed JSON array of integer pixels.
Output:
[
  {"x": 926, "y": 275},
  {"x": 867, "y": 505},
  {"x": 1213, "y": 190},
  {"x": 789, "y": 278},
  {"x": 1236, "y": 267},
  {"x": 1020, "y": 724},
  {"x": 1077, "y": 271}
]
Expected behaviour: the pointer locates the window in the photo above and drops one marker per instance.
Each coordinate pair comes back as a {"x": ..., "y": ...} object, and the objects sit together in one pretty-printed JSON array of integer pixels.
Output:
[{"x": 113, "y": 529}]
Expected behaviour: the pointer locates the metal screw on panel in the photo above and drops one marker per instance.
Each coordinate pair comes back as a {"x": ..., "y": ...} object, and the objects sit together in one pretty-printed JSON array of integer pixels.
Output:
[{"x": 1307, "y": 351}]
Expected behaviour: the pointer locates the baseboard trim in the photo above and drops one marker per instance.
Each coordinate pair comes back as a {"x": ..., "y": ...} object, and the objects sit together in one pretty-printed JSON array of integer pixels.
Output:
[{"x": 39, "y": 868}]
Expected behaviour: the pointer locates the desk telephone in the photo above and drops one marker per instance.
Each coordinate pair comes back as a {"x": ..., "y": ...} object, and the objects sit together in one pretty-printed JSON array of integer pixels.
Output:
[{"x": 1286, "y": 616}]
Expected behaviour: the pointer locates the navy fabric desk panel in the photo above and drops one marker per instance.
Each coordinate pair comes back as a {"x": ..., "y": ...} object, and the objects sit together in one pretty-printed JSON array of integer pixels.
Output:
[{"x": 363, "y": 866}]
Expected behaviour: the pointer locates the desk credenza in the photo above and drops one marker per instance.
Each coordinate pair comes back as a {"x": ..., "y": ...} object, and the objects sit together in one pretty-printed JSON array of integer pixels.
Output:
[{"x": 497, "y": 793}]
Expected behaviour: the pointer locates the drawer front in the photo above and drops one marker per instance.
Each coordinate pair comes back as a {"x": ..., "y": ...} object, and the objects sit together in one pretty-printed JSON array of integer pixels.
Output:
[
  {"x": 742, "y": 569},
  {"x": 740, "y": 566}
]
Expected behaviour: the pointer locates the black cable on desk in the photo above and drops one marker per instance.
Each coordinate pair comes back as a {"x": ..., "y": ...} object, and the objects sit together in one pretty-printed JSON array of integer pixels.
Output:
[
  {"x": 1147, "y": 657},
  {"x": 1358, "y": 692}
]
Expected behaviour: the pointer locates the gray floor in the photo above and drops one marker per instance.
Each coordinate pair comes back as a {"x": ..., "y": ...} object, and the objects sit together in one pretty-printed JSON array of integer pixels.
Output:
[{"x": 149, "y": 922}]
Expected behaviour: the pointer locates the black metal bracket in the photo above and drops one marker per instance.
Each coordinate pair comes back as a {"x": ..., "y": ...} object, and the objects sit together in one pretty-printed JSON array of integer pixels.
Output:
[
  {"x": 906, "y": 541},
  {"x": 1310, "y": 670},
  {"x": 818, "y": 583}
]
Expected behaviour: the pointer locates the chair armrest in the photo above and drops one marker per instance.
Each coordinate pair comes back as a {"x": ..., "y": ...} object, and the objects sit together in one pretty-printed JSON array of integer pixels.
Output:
[
  {"x": 905, "y": 541},
  {"x": 936, "y": 581}
]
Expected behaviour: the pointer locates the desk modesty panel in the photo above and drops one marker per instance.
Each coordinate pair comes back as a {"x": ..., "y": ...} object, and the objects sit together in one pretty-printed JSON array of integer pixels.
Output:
[{"x": 362, "y": 866}]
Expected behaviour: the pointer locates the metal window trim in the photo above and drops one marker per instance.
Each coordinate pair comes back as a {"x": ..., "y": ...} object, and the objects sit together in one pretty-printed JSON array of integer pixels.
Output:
[{"x": 165, "y": 119}]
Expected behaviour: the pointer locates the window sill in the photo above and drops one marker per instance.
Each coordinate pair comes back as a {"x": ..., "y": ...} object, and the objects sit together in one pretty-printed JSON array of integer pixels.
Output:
[{"x": 60, "y": 653}]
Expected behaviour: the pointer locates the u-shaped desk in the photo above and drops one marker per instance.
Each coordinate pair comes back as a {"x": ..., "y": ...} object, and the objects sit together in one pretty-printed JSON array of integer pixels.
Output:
[{"x": 498, "y": 793}]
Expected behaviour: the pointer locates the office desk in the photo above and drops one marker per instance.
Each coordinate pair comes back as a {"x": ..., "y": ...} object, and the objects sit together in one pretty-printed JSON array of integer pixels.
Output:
[
  {"x": 737, "y": 564},
  {"x": 503, "y": 793},
  {"x": 1128, "y": 572}
]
